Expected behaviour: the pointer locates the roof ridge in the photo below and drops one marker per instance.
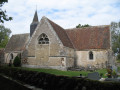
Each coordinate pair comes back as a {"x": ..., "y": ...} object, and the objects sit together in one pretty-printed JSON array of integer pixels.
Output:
[{"x": 87, "y": 27}]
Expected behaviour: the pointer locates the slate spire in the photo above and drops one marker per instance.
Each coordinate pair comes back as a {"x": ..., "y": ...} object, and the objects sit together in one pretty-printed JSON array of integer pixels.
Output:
[
  {"x": 35, "y": 19},
  {"x": 34, "y": 23}
]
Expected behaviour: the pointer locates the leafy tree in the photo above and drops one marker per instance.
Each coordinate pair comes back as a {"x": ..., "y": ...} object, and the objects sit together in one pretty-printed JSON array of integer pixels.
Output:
[
  {"x": 81, "y": 26},
  {"x": 4, "y": 36},
  {"x": 116, "y": 42},
  {"x": 3, "y": 16},
  {"x": 17, "y": 62}
]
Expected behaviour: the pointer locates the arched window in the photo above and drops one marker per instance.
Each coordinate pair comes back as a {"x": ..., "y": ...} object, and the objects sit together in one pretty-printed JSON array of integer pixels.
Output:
[
  {"x": 43, "y": 39},
  {"x": 11, "y": 56},
  {"x": 91, "y": 55}
]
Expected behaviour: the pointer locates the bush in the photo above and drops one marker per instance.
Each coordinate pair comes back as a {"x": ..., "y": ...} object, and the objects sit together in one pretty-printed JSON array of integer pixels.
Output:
[
  {"x": 17, "y": 62},
  {"x": 118, "y": 56}
]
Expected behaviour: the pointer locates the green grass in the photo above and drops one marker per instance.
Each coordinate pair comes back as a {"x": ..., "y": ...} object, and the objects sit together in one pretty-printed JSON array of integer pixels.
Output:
[
  {"x": 65, "y": 73},
  {"x": 118, "y": 68},
  {"x": 118, "y": 60}
]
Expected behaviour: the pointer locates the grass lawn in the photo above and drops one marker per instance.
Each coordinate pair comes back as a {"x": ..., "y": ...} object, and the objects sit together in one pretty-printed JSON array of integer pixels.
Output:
[{"x": 65, "y": 73}]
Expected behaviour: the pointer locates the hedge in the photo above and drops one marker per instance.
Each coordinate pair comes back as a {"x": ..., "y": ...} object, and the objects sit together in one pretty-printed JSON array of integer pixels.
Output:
[
  {"x": 52, "y": 82},
  {"x": 7, "y": 84}
]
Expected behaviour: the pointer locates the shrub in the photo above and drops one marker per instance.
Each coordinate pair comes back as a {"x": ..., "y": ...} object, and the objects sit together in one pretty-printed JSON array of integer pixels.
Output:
[
  {"x": 17, "y": 62},
  {"x": 109, "y": 72},
  {"x": 118, "y": 56}
]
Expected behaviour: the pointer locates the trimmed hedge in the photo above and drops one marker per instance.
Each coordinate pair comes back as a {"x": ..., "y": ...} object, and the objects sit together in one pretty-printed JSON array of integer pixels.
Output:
[
  {"x": 7, "y": 84},
  {"x": 53, "y": 82}
]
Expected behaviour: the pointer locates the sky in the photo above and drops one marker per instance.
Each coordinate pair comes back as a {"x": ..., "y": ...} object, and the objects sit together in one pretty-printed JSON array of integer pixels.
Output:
[{"x": 66, "y": 13}]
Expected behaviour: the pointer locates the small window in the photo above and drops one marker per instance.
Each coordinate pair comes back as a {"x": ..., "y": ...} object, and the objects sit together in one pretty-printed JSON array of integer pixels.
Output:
[
  {"x": 43, "y": 39},
  {"x": 91, "y": 55}
]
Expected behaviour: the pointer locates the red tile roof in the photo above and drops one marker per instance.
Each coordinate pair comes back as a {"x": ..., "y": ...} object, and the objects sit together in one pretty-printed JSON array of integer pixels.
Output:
[
  {"x": 61, "y": 34},
  {"x": 95, "y": 37}
]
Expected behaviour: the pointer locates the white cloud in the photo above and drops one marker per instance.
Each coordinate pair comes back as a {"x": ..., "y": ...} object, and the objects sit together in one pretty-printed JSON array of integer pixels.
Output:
[{"x": 66, "y": 13}]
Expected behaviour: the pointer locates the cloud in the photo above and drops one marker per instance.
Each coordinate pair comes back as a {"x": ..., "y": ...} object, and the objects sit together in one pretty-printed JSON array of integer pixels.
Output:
[{"x": 66, "y": 13}]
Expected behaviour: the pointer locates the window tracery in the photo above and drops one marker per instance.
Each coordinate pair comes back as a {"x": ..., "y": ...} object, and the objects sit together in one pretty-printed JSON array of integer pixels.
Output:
[{"x": 43, "y": 39}]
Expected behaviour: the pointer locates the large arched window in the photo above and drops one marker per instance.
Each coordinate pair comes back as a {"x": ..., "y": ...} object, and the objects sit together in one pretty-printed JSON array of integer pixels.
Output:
[
  {"x": 91, "y": 55},
  {"x": 43, "y": 39}
]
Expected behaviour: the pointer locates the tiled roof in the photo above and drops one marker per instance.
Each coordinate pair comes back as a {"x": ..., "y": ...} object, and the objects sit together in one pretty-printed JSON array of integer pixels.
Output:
[
  {"x": 95, "y": 37},
  {"x": 17, "y": 42},
  {"x": 61, "y": 34}
]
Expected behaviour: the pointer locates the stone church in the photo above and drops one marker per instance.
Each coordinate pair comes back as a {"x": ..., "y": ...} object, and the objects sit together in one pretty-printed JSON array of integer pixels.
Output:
[{"x": 48, "y": 45}]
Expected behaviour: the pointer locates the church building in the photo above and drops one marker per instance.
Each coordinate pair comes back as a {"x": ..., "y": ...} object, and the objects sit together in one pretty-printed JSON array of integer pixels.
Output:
[{"x": 48, "y": 45}]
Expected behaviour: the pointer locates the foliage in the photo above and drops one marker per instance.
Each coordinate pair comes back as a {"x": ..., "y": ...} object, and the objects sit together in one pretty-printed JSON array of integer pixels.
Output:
[
  {"x": 118, "y": 56},
  {"x": 17, "y": 62},
  {"x": 81, "y": 26},
  {"x": 4, "y": 36},
  {"x": 109, "y": 72},
  {"x": 116, "y": 42},
  {"x": 52, "y": 82},
  {"x": 3, "y": 16},
  {"x": 7, "y": 84},
  {"x": 114, "y": 74}
]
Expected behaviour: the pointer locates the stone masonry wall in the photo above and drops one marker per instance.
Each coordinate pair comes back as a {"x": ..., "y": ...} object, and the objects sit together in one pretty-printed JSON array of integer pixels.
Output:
[
  {"x": 48, "y": 55},
  {"x": 8, "y": 57},
  {"x": 100, "y": 58}
]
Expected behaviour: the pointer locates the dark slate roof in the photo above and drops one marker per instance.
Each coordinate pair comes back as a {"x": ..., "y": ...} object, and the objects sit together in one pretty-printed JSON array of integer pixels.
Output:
[
  {"x": 94, "y": 37},
  {"x": 35, "y": 19},
  {"x": 61, "y": 34},
  {"x": 17, "y": 42}
]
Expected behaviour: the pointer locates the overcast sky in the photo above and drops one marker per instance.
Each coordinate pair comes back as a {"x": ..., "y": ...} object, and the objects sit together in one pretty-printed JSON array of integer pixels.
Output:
[{"x": 66, "y": 13}]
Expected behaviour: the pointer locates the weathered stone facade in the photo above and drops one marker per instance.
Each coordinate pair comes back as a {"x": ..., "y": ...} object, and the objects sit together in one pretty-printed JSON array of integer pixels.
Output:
[
  {"x": 101, "y": 58},
  {"x": 51, "y": 46},
  {"x": 54, "y": 54}
]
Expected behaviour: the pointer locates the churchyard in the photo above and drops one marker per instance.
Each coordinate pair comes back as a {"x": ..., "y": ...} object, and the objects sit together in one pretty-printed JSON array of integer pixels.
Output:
[
  {"x": 65, "y": 73},
  {"x": 50, "y": 79}
]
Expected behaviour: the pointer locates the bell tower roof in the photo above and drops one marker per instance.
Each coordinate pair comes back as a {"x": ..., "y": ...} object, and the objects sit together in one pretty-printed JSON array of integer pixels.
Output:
[
  {"x": 34, "y": 23},
  {"x": 35, "y": 19}
]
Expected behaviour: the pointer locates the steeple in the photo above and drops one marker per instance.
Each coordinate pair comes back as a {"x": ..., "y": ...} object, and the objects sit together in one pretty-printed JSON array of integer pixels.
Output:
[
  {"x": 35, "y": 19},
  {"x": 34, "y": 23}
]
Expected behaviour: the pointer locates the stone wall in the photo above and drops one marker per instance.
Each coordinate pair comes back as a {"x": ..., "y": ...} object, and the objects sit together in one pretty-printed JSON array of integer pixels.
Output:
[
  {"x": 54, "y": 54},
  {"x": 100, "y": 58},
  {"x": 8, "y": 57}
]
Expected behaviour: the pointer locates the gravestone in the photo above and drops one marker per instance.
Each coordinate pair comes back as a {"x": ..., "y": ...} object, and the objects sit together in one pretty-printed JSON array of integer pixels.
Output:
[
  {"x": 112, "y": 79},
  {"x": 94, "y": 76}
]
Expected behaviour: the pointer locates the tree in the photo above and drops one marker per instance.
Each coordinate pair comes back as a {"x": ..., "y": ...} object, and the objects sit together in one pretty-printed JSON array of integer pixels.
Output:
[
  {"x": 17, "y": 62},
  {"x": 3, "y": 16},
  {"x": 4, "y": 36},
  {"x": 81, "y": 26},
  {"x": 116, "y": 42}
]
